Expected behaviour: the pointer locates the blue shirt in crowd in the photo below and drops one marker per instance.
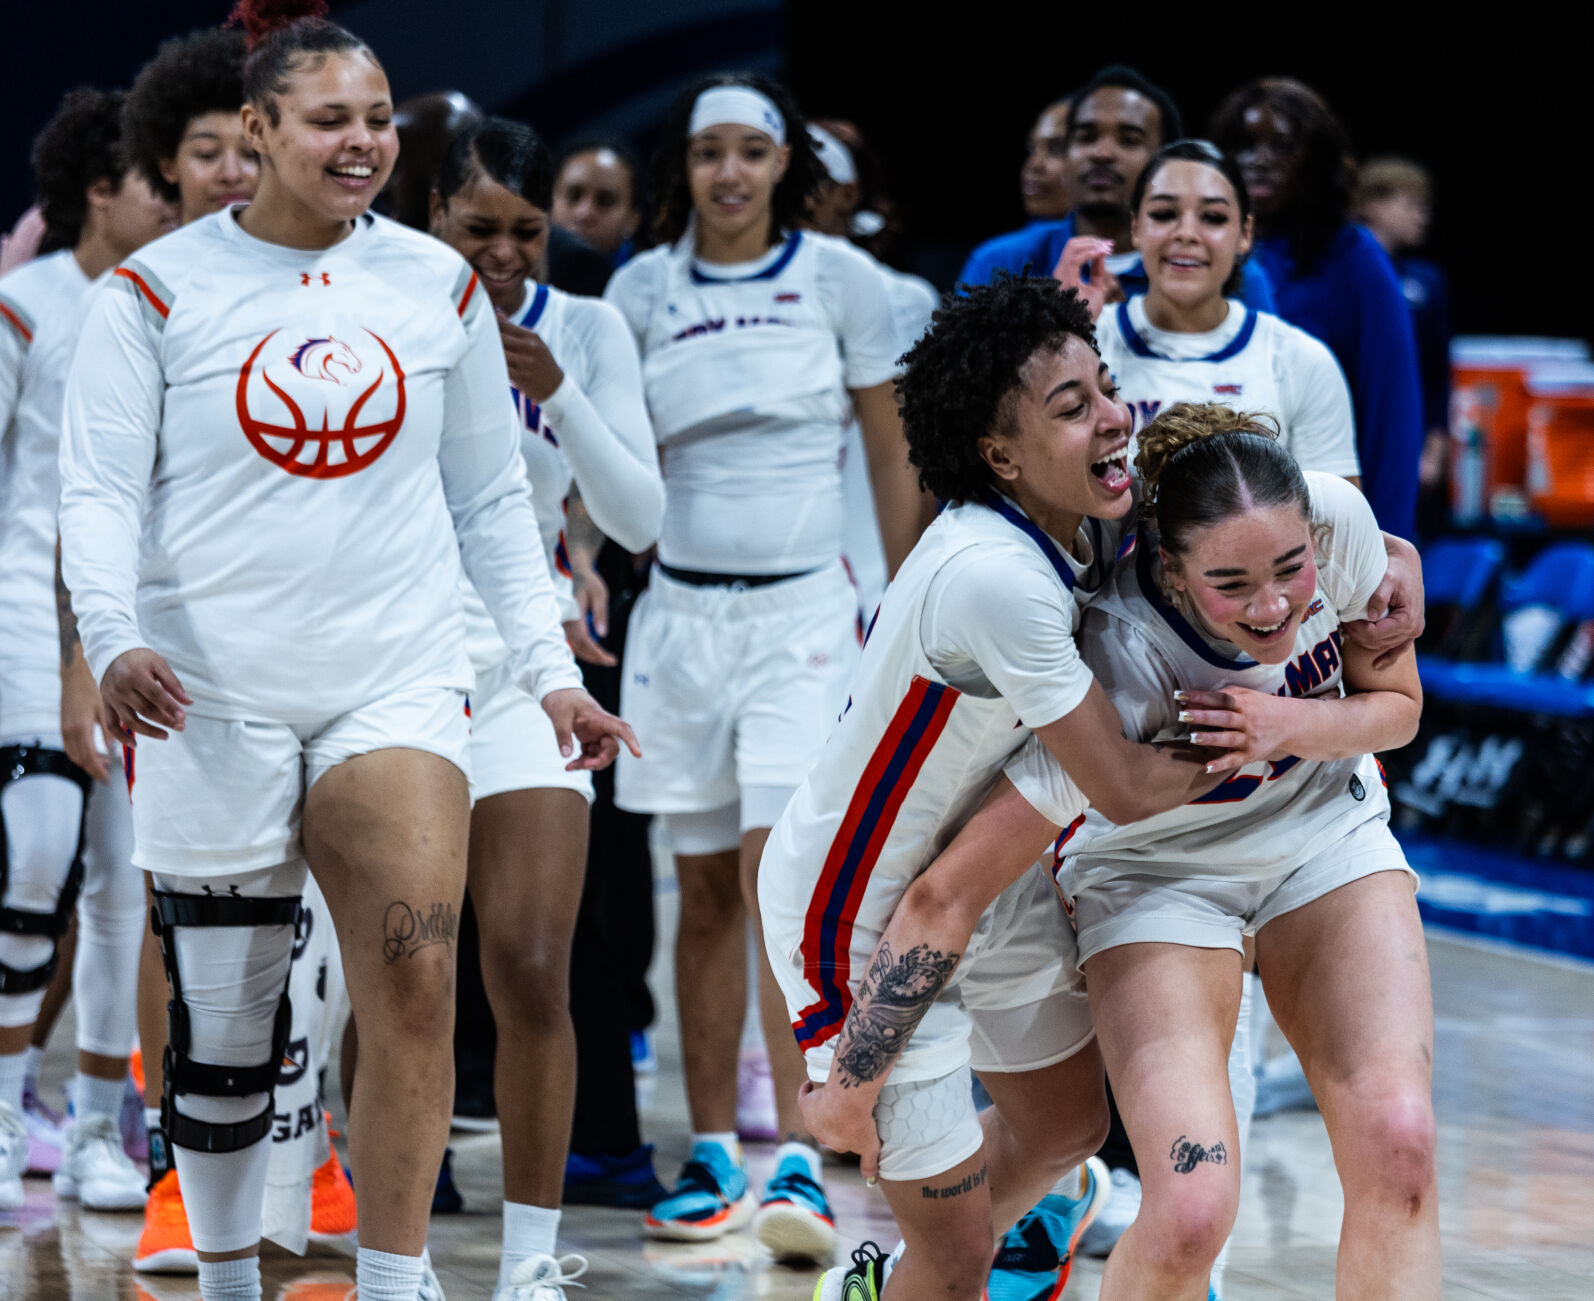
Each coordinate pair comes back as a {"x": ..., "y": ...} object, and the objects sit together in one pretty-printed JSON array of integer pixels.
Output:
[
  {"x": 1427, "y": 292},
  {"x": 1038, "y": 247},
  {"x": 1350, "y": 298}
]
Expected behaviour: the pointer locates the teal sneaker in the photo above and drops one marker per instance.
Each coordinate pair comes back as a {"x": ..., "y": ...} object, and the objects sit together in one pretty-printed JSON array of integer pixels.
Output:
[
  {"x": 1035, "y": 1257},
  {"x": 794, "y": 1220},
  {"x": 863, "y": 1280},
  {"x": 710, "y": 1198}
]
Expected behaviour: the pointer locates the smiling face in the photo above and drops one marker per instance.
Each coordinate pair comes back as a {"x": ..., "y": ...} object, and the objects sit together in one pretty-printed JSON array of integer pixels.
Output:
[
  {"x": 593, "y": 197},
  {"x": 1189, "y": 232},
  {"x": 732, "y": 172},
  {"x": 214, "y": 166},
  {"x": 1044, "y": 178},
  {"x": 502, "y": 235},
  {"x": 1270, "y": 158},
  {"x": 1065, "y": 449},
  {"x": 1114, "y": 134},
  {"x": 1249, "y": 579},
  {"x": 332, "y": 146}
]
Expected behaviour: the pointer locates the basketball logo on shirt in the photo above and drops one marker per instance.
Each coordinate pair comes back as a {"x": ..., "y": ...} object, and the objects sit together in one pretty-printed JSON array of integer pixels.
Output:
[{"x": 326, "y": 373}]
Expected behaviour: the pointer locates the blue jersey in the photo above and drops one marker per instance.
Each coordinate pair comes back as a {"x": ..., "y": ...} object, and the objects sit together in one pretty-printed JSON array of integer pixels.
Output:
[
  {"x": 1427, "y": 293},
  {"x": 1040, "y": 245},
  {"x": 1350, "y": 298}
]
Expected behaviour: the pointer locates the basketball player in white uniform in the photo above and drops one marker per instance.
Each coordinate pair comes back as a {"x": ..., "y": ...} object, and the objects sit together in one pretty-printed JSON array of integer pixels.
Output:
[
  {"x": 284, "y": 429},
  {"x": 913, "y": 301},
  {"x": 576, "y": 387},
  {"x": 1185, "y": 340},
  {"x": 758, "y": 340},
  {"x": 1234, "y": 627},
  {"x": 68, "y": 839}
]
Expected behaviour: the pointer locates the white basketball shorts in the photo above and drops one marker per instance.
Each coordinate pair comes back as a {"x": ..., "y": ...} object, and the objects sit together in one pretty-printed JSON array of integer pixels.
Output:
[
  {"x": 512, "y": 742},
  {"x": 729, "y": 687},
  {"x": 226, "y": 795}
]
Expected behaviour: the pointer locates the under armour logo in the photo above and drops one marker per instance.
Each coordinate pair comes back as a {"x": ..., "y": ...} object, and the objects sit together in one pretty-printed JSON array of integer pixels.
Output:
[{"x": 306, "y": 276}]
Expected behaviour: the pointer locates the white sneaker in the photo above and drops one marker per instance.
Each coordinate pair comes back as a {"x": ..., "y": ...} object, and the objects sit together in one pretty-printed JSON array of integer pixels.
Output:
[
  {"x": 1122, "y": 1205},
  {"x": 430, "y": 1289},
  {"x": 13, "y": 1157},
  {"x": 542, "y": 1278},
  {"x": 46, "y": 1130},
  {"x": 95, "y": 1170}
]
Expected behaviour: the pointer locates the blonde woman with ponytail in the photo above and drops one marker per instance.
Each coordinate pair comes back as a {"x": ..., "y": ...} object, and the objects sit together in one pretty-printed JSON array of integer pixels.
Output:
[{"x": 1227, "y": 630}]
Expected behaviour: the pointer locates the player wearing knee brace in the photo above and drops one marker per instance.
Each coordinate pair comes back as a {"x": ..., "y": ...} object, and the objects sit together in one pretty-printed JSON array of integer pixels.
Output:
[
  {"x": 319, "y": 394},
  {"x": 57, "y": 822}
]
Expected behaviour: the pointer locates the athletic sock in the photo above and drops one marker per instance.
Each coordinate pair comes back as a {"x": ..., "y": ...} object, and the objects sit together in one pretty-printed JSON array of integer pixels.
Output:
[
  {"x": 807, "y": 1153},
  {"x": 230, "y": 1280},
  {"x": 30, "y": 1082},
  {"x": 1070, "y": 1185},
  {"x": 528, "y": 1231},
  {"x": 92, "y": 1096},
  {"x": 13, "y": 1072},
  {"x": 728, "y": 1141},
  {"x": 382, "y": 1276}
]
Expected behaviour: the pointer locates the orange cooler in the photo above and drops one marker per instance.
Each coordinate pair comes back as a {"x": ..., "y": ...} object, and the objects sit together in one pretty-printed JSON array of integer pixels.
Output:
[
  {"x": 1560, "y": 447},
  {"x": 1489, "y": 414}
]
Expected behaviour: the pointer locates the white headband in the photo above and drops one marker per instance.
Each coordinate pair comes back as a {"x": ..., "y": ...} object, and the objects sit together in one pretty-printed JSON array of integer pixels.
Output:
[
  {"x": 835, "y": 156},
  {"x": 742, "y": 105}
]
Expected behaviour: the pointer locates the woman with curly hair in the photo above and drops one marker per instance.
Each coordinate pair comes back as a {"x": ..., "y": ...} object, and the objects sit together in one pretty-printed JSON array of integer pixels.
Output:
[
  {"x": 1330, "y": 276},
  {"x": 182, "y": 125},
  {"x": 757, "y": 339},
  {"x": 1231, "y": 628}
]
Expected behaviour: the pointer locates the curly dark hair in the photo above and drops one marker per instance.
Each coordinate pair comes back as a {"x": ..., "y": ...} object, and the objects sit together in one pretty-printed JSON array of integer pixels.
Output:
[
  {"x": 1327, "y": 175},
  {"x": 189, "y": 76},
  {"x": 80, "y": 145},
  {"x": 804, "y": 173},
  {"x": 961, "y": 377}
]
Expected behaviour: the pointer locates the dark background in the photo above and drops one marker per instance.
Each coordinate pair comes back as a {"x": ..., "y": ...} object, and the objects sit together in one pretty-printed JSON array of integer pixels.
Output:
[{"x": 1497, "y": 110}]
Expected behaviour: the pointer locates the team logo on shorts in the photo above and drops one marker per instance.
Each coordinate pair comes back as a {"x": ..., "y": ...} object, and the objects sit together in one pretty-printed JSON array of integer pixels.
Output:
[
  {"x": 329, "y": 378},
  {"x": 1357, "y": 790}
]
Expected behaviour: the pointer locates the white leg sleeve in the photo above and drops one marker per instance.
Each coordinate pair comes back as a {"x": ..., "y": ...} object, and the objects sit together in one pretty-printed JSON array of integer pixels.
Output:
[
  {"x": 232, "y": 980},
  {"x": 42, "y": 817},
  {"x": 110, "y": 928}
]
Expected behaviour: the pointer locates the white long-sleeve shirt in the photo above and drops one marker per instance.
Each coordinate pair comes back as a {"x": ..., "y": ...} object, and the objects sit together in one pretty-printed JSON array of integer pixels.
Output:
[
  {"x": 273, "y": 460},
  {"x": 593, "y": 428},
  {"x": 39, "y": 302}
]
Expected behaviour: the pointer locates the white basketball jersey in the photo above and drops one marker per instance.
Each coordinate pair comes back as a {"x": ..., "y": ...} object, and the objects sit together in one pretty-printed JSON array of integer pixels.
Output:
[
  {"x": 1266, "y": 818},
  {"x": 37, "y": 302},
  {"x": 746, "y": 370},
  {"x": 1253, "y": 361},
  {"x": 323, "y": 436},
  {"x": 912, "y": 756}
]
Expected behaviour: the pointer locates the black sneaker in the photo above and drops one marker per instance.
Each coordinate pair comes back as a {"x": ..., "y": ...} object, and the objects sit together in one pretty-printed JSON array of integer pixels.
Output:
[{"x": 627, "y": 1182}]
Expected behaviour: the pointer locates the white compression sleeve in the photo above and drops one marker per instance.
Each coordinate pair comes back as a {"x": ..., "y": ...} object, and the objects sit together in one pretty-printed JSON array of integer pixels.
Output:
[
  {"x": 41, "y": 814},
  {"x": 111, "y": 921}
]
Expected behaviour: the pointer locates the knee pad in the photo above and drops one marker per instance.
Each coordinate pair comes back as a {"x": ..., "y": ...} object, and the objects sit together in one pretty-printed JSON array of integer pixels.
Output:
[
  {"x": 927, "y": 1127},
  {"x": 181, "y": 921},
  {"x": 24, "y": 849}
]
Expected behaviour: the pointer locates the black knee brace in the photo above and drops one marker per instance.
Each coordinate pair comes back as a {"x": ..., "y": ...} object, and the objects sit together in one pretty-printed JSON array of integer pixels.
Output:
[
  {"x": 183, "y": 1073},
  {"x": 16, "y": 762}
]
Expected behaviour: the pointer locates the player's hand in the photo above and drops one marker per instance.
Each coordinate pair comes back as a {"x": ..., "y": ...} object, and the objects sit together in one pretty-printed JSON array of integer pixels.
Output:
[
  {"x": 579, "y": 720},
  {"x": 532, "y": 368},
  {"x": 592, "y": 599},
  {"x": 1087, "y": 251},
  {"x": 22, "y": 244},
  {"x": 140, "y": 685},
  {"x": 1247, "y": 726},
  {"x": 843, "y": 1120},
  {"x": 85, "y": 722},
  {"x": 1395, "y": 615}
]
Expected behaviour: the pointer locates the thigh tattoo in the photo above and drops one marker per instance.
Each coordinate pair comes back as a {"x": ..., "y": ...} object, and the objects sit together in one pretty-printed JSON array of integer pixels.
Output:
[
  {"x": 406, "y": 931},
  {"x": 1186, "y": 1155}
]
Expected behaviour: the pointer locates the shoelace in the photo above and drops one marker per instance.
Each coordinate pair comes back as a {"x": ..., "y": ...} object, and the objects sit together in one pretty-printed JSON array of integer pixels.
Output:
[
  {"x": 1027, "y": 1246},
  {"x": 794, "y": 1182},
  {"x": 557, "y": 1279},
  {"x": 866, "y": 1254},
  {"x": 696, "y": 1177}
]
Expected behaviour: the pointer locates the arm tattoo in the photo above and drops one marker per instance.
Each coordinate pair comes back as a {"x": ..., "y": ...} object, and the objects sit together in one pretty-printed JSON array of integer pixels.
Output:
[
  {"x": 583, "y": 536},
  {"x": 892, "y": 1000},
  {"x": 71, "y": 646},
  {"x": 1186, "y": 1156},
  {"x": 406, "y": 931}
]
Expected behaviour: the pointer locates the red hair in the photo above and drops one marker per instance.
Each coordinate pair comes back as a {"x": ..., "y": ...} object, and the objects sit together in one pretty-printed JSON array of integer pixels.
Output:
[{"x": 260, "y": 18}]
